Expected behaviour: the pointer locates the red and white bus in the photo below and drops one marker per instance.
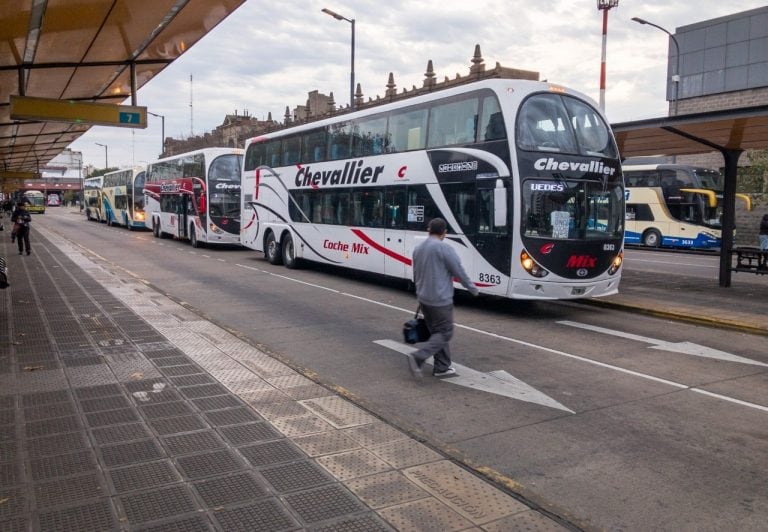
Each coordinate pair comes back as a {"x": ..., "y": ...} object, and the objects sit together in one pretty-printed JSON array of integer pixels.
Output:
[
  {"x": 527, "y": 175},
  {"x": 195, "y": 196}
]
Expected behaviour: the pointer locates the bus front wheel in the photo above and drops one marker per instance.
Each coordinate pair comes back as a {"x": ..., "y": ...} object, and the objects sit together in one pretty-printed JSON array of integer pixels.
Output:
[
  {"x": 193, "y": 238},
  {"x": 289, "y": 253},
  {"x": 272, "y": 250},
  {"x": 652, "y": 238}
]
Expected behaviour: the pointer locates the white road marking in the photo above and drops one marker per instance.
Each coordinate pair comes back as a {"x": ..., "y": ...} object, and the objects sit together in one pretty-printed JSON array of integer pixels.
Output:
[
  {"x": 496, "y": 382},
  {"x": 686, "y": 348},
  {"x": 527, "y": 344}
]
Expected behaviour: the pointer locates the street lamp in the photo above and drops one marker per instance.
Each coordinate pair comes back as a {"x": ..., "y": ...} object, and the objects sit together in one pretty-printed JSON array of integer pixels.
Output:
[
  {"x": 162, "y": 143},
  {"x": 604, "y": 6},
  {"x": 352, "y": 69},
  {"x": 106, "y": 154},
  {"x": 676, "y": 75}
]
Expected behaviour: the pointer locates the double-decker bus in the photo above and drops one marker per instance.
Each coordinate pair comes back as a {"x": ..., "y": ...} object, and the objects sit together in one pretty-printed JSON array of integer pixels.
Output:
[
  {"x": 195, "y": 196},
  {"x": 94, "y": 208},
  {"x": 123, "y": 197},
  {"x": 675, "y": 206},
  {"x": 54, "y": 200},
  {"x": 526, "y": 174},
  {"x": 35, "y": 201}
]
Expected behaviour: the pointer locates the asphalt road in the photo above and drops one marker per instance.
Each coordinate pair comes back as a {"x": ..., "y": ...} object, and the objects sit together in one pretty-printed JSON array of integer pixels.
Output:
[{"x": 613, "y": 420}]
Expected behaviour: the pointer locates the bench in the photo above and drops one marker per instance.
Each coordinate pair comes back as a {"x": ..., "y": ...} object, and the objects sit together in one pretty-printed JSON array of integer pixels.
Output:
[{"x": 750, "y": 259}]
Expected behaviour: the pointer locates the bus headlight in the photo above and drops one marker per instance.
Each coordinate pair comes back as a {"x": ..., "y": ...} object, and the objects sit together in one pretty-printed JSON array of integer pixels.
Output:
[
  {"x": 215, "y": 229},
  {"x": 139, "y": 216},
  {"x": 531, "y": 266},
  {"x": 616, "y": 264}
]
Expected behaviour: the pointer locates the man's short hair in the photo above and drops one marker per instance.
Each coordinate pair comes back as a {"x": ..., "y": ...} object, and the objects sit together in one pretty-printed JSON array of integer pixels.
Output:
[{"x": 437, "y": 226}]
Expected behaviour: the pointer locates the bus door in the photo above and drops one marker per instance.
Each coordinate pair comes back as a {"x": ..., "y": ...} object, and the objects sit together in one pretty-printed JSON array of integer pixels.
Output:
[
  {"x": 395, "y": 207},
  {"x": 186, "y": 214},
  {"x": 493, "y": 234}
]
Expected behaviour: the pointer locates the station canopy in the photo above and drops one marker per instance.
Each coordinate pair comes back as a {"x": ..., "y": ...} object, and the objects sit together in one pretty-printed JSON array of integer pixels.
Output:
[{"x": 86, "y": 51}]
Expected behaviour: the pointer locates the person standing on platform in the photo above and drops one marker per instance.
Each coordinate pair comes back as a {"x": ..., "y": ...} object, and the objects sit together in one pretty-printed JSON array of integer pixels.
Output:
[
  {"x": 764, "y": 233},
  {"x": 435, "y": 265},
  {"x": 22, "y": 220}
]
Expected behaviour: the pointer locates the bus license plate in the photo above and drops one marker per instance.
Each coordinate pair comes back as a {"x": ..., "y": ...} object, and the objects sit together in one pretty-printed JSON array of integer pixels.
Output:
[{"x": 578, "y": 291}]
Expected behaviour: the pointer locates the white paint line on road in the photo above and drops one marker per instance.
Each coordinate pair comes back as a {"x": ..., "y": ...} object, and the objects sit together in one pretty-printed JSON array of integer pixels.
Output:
[
  {"x": 522, "y": 342},
  {"x": 496, "y": 382},
  {"x": 686, "y": 348}
]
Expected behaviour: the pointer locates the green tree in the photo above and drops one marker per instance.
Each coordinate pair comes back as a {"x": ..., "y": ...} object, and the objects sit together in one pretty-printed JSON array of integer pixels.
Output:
[{"x": 752, "y": 179}]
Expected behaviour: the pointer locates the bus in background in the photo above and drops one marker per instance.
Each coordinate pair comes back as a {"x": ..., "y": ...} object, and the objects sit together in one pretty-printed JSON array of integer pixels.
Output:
[
  {"x": 54, "y": 200},
  {"x": 35, "y": 201},
  {"x": 526, "y": 174},
  {"x": 123, "y": 197},
  {"x": 94, "y": 208},
  {"x": 674, "y": 205},
  {"x": 195, "y": 196}
]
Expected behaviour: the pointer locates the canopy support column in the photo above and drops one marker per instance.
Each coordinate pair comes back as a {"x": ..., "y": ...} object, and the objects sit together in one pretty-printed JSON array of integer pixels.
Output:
[{"x": 731, "y": 158}]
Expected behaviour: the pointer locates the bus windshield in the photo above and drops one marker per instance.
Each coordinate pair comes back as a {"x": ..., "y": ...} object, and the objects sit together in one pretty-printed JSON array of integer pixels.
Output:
[
  {"x": 709, "y": 179},
  {"x": 562, "y": 124},
  {"x": 568, "y": 210},
  {"x": 224, "y": 186}
]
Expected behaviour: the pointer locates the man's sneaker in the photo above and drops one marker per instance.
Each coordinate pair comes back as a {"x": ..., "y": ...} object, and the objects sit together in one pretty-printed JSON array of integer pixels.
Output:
[
  {"x": 450, "y": 371},
  {"x": 415, "y": 367}
]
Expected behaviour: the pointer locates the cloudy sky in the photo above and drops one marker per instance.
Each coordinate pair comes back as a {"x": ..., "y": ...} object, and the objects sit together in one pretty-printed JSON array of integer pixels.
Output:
[{"x": 269, "y": 55}]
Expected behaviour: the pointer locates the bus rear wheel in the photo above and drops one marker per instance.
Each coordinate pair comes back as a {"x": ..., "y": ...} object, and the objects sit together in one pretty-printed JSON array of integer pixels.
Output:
[
  {"x": 289, "y": 253},
  {"x": 652, "y": 238},
  {"x": 272, "y": 250},
  {"x": 156, "y": 229},
  {"x": 193, "y": 238}
]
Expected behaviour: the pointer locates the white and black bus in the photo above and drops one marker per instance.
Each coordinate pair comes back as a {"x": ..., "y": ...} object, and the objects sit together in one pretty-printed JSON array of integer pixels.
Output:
[{"x": 526, "y": 174}]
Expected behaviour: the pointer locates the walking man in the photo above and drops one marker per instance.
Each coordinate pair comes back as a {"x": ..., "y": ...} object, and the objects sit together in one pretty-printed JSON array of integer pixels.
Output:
[
  {"x": 435, "y": 265},
  {"x": 22, "y": 219}
]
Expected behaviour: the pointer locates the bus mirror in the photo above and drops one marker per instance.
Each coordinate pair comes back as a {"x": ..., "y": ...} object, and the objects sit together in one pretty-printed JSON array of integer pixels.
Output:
[
  {"x": 202, "y": 205},
  {"x": 499, "y": 204}
]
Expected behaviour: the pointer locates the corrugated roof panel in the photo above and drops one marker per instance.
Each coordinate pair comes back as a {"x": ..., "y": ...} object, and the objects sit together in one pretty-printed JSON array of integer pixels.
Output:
[{"x": 69, "y": 28}]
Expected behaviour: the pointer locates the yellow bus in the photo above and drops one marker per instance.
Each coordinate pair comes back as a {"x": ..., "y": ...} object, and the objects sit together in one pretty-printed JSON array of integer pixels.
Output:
[{"x": 35, "y": 201}]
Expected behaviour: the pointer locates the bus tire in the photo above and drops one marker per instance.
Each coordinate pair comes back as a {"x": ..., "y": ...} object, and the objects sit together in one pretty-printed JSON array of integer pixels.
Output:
[
  {"x": 155, "y": 229},
  {"x": 193, "y": 238},
  {"x": 289, "y": 253},
  {"x": 652, "y": 238},
  {"x": 272, "y": 250}
]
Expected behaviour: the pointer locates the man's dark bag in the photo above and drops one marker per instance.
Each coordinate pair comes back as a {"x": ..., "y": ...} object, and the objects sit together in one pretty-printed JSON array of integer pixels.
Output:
[{"x": 415, "y": 330}]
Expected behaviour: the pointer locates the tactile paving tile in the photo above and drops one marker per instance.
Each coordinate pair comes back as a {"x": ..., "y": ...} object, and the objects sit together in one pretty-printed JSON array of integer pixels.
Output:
[
  {"x": 253, "y": 384},
  {"x": 230, "y": 490},
  {"x": 101, "y": 404},
  {"x": 192, "y": 380},
  {"x": 8, "y": 417},
  {"x": 360, "y": 523},
  {"x": 112, "y": 417},
  {"x": 530, "y": 521},
  {"x": 159, "y": 350},
  {"x": 83, "y": 361},
  {"x": 97, "y": 515},
  {"x": 405, "y": 453},
  {"x": 249, "y": 433},
  {"x": 49, "y": 427},
  {"x": 131, "y": 453},
  {"x": 44, "y": 398},
  {"x": 206, "y": 390},
  {"x": 218, "y": 402},
  {"x": 327, "y": 502},
  {"x": 301, "y": 426},
  {"x": 176, "y": 371},
  {"x": 176, "y": 425},
  {"x": 158, "y": 504},
  {"x": 158, "y": 395},
  {"x": 325, "y": 443},
  {"x": 268, "y": 514},
  {"x": 8, "y": 449},
  {"x": 171, "y": 361},
  {"x": 144, "y": 385},
  {"x": 192, "y": 442},
  {"x": 353, "y": 464},
  {"x": 56, "y": 444},
  {"x": 289, "y": 381},
  {"x": 338, "y": 411},
  {"x": 296, "y": 476},
  {"x": 120, "y": 433},
  {"x": 424, "y": 514},
  {"x": 143, "y": 476},
  {"x": 160, "y": 410},
  {"x": 374, "y": 434},
  {"x": 232, "y": 416},
  {"x": 69, "y": 490},
  {"x": 274, "y": 452},
  {"x": 62, "y": 465},
  {"x": 282, "y": 410},
  {"x": 265, "y": 397},
  {"x": 386, "y": 489},
  {"x": 474, "y": 498},
  {"x": 209, "y": 464},
  {"x": 90, "y": 376},
  {"x": 53, "y": 410},
  {"x": 307, "y": 392}
]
